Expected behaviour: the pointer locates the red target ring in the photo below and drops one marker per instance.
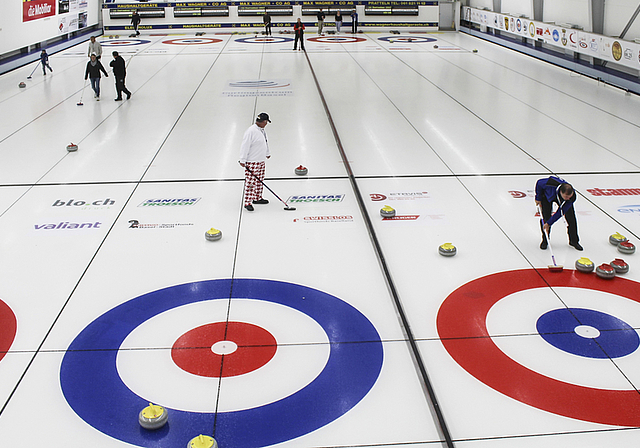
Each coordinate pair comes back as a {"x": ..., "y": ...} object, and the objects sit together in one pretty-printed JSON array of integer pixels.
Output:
[
  {"x": 462, "y": 327},
  {"x": 8, "y": 328},
  {"x": 224, "y": 349}
]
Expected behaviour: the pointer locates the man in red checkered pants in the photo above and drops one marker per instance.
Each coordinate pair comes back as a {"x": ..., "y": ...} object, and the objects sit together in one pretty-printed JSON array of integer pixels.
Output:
[{"x": 253, "y": 153}]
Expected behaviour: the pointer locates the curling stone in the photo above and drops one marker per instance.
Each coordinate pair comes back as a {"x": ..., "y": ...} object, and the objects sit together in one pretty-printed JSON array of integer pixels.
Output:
[
  {"x": 387, "y": 212},
  {"x": 213, "y": 234},
  {"x": 203, "y": 442},
  {"x": 626, "y": 247},
  {"x": 605, "y": 271},
  {"x": 435, "y": 46},
  {"x": 447, "y": 249},
  {"x": 616, "y": 238},
  {"x": 584, "y": 265},
  {"x": 301, "y": 170},
  {"x": 22, "y": 85},
  {"x": 475, "y": 51},
  {"x": 153, "y": 417},
  {"x": 620, "y": 266},
  {"x": 71, "y": 147}
]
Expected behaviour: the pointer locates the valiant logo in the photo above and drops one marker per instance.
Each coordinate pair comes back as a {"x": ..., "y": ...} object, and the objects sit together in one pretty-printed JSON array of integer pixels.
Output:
[
  {"x": 100, "y": 203},
  {"x": 66, "y": 225}
]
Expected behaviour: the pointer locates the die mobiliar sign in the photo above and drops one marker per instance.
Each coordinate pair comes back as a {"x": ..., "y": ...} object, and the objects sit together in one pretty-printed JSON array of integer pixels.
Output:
[{"x": 38, "y": 9}]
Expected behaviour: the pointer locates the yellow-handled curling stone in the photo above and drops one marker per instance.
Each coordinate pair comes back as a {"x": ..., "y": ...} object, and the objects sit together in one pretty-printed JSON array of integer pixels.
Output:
[
  {"x": 153, "y": 417},
  {"x": 616, "y": 239},
  {"x": 447, "y": 250},
  {"x": 213, "y": 234},
  {"x": 387, "y": 212},
  {"x": 584, "y": 265},
  {"x": 203, "y": 442}
]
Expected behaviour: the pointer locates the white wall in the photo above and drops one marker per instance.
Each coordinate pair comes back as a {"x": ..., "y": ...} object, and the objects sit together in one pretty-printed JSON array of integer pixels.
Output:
[
  {"x": 16, "y": 34},
  {"x": 576, "y": 12},
  {"x": 616, "y": 15},
  {"x": 518, "y": 7},
  {"x": 482, "y": 4}
]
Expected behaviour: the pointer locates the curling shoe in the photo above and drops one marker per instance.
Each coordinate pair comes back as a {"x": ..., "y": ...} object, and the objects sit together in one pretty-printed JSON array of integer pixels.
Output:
[
  {"x": 249, "y": 207},
  {"x": 576, "y": 246},
  {"x": 543, "y": 245},
  {"x": 261, "y": 201}
]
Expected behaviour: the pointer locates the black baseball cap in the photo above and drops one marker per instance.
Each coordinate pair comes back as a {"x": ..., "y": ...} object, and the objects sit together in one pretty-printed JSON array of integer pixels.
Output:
[{"x": 263, "y": 116}]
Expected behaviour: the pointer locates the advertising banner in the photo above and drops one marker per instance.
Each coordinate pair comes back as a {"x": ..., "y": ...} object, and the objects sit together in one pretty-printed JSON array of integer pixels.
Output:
[
  {"x": 602, "y": 47},
  {"x": 37, "y": 9}
]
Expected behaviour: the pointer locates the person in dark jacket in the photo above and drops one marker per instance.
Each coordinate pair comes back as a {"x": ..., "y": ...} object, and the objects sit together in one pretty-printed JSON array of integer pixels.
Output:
[
  {"x": 553, "y": 189},
  {"x": 119, "y": 72},
  {"x": 267, "y": 24},
  {"x": 44, "y": 60},
  {"x": 320, "y": 16},
  {"x": 135, "y": 21},
  {"x": 94, "y": 67},
  {"x": 298, "y": 29}
]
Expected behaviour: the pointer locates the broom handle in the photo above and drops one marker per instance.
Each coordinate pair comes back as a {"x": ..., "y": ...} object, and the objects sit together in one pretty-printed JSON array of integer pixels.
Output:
[{"x": 553, "y": 258}]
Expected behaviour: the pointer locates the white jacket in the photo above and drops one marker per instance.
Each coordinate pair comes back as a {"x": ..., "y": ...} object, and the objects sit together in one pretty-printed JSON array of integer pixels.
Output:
[{"x": 254, "y": 147}]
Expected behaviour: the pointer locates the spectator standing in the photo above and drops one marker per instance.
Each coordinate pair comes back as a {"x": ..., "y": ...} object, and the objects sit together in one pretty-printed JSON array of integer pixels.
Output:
[
  {"x": 320, "y": 16},
  {"x": 95, "y": 48},
  {"x": 119, "y": 73},
  {"x": 94, "y": 67},
  {"x": 135, "y": 21},
  {"x": 338, "y": 21},
  {"x": 354, "y": 22},
  {"x": 267, "y": 24},
  {"x": 298, "y": 29}
]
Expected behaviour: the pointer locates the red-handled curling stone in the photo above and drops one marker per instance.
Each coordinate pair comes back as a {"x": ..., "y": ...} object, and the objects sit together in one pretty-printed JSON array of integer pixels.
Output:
[
  {"x": 620, "y": 266},
  {"x": 626, "y": 247},
  {"x": 605, "y": 271}
]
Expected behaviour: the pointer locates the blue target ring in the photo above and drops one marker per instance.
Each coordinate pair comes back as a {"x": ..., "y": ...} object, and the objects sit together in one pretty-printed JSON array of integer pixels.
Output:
[
  {"x": 93, "y": 388},
  {"x": 616, "y": 338},
  {"x": 264, "y": 40},
  {"x": 124, "y": 43},
  {"x": 407, "y": 39}
]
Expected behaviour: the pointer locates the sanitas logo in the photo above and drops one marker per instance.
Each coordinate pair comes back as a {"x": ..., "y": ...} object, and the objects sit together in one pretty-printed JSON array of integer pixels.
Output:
[
  {"x": 317, "y": 198},
  {"x": 66, "y": 225},
  {"x": 629, "y": 209},
  {"x": 172, "y": 202},
  {"x": 614, "y": 191},
  {"x": 84, "y": 204}
]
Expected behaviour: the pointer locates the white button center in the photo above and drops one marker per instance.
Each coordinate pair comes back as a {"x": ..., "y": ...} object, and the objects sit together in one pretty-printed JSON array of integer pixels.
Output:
[
  {"x": 587, "y": 331},
  {"x": 224, "y": 347}
]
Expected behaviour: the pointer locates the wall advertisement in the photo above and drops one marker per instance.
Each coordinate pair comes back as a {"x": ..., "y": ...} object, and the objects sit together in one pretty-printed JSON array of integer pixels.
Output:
[{"x": 596, "y": 45}]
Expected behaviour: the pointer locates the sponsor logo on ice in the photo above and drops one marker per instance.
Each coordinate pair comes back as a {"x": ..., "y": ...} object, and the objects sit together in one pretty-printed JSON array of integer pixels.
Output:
[
  {"x": 169, "y": 202},
  {"x": 324, "y": 219},
  {"x": 317, "y": 198},
  {"x": 402, "y": 196},
  {"x": 66, "y": 225},
  {"x": 97, "y": 204},
  {"x": 614, "y": 191},
  {"x": 629, "y": 209},
  {"x": 135, "y": 224}
]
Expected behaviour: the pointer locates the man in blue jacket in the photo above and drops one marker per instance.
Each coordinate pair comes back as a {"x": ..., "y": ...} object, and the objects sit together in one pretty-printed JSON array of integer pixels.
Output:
[{"x": 550, "y": 190}]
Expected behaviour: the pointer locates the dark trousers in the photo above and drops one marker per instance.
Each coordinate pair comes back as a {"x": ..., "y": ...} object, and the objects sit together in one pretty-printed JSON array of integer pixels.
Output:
[
  {"x": 300, "y": 37},
  {"x": 267, "y": 29},
  {"x": 570, "y": 216},
  {"x": 354, "y": 26},
  {"x": 120, "y": 87}
]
